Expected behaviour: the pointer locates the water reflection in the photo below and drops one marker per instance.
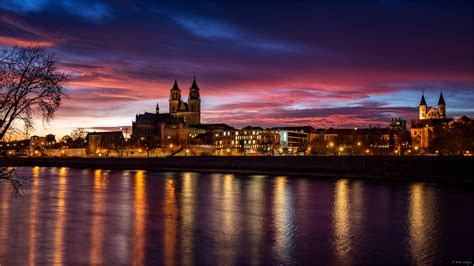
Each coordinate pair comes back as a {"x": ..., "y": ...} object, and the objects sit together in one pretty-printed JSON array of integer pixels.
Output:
[
  {"x": 140, "y": 204},
  {"x": 34, "y": 208},
  {"x": 188, "y": 194},
  {"x": 283, "y": 218},
  {"x": 4, "y": 225},
  {"x": 60, "y": 217},
  {"x": 98, "y": 212},
  {"x": 423, "y": 227},
  {"x": 170, "y": 213},
  {"x": 137, "y": 217},
  {"x": 230, "y": 228},
  {"x": 255, "y": 223},
  {"x": 341, "y": 222}
]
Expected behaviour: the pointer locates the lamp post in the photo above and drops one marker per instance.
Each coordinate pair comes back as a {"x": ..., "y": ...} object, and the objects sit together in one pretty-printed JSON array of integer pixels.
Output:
[
  {"x": 341, "y": 149},
  {"x": 331, "y": 146}
]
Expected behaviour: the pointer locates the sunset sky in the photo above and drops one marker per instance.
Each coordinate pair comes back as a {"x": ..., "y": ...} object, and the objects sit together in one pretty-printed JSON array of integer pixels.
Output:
[{"x": 264, "y": 63}]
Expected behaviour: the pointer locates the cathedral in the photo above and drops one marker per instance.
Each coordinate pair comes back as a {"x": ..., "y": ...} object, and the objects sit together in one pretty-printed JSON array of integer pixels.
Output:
[
  {"x": 189, "y": 111},
  {"x": 175, "y": 125},
  {"x": 433, "y": 113},
  {"x": 423, "y": 129}
]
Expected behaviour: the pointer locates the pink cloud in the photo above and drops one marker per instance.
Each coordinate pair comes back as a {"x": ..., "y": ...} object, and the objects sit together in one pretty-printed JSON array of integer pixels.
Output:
[{"x": 25, "y": 43}]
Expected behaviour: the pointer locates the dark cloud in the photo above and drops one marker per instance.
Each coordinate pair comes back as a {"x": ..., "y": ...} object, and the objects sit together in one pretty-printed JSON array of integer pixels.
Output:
[{"x": 304, "y": 62}]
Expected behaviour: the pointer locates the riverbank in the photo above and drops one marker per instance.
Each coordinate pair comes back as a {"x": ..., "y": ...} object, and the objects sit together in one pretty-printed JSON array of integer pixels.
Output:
[{"x": 456, "y": 169}]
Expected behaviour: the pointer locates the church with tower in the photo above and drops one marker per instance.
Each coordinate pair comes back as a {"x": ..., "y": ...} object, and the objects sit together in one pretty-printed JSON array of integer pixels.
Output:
[
  {"x": 439, "y": 113},
  {"x": 189, "y": 111},
  {"x": 155, "y": 129},
  {"x": 424, "y": 128}
]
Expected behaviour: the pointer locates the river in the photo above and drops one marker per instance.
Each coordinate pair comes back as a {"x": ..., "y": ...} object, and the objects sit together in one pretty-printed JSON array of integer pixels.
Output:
[{"x": 137, "y": 217}]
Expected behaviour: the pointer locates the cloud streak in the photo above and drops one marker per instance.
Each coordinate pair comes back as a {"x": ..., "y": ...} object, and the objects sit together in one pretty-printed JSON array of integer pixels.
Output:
[{"x": 256, "y": 64}]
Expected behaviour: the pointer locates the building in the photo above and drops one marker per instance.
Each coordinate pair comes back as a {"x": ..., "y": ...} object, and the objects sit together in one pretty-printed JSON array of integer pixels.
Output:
[
  {"x": 211, "y": 130},
  {"x": 439, "y": 113},
  {"x": 296, "y": 139},
  {"x": 248, "y": 140},
  {"x": 173, "y": 128},
  {"x": 423, "y": 129},
  {"x": 357, "y": 140},
  {"x": 189, "y": 111},
  {"x": 398, "y": 124},
  {"x": 100, "y": 143},
  {"x": 50, "y": 141}
]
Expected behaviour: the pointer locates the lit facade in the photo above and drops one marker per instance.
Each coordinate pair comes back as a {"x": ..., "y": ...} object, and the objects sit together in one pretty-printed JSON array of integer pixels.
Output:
[
  {"x": 422, "y": 130},
  {"x": 176, "y": 127},
  {"x": 189, "y": 111},
  {"x": 248, "y": 140}
]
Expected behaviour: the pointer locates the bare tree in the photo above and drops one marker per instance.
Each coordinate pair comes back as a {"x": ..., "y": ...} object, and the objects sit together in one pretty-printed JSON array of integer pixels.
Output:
[
  {"x": 78, "y": 134},
  {"x": 30, "y": 86}
]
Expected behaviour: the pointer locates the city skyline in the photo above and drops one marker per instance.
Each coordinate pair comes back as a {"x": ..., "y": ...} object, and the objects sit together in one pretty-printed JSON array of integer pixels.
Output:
[{"x": 307, "y": 67}]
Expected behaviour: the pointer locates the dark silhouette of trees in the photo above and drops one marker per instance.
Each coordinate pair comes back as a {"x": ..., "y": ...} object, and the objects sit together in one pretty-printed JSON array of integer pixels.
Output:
[
  {"x": 30, "y": 86},
  {"x": 453, "y": 138}
]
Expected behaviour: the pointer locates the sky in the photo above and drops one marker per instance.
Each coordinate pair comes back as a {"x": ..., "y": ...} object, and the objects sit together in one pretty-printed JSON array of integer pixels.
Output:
[{"x": 261, "y": 63}]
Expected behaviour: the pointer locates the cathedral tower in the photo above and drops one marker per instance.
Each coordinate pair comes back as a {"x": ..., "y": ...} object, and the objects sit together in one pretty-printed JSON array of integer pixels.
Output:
[
  {"x": 194, "y": 104},
  {"x": 175, "y": 98},
  {"x": 423, "y": 107},
  {"x": 441, "y": 106}
]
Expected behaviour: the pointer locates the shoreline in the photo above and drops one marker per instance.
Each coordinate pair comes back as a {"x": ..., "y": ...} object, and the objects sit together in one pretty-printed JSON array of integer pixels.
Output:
[{"x": 415, "y": 168}]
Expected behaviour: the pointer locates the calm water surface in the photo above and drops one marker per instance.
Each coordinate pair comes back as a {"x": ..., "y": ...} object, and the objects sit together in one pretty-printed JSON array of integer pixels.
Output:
[{"x": 124, "y": 217}]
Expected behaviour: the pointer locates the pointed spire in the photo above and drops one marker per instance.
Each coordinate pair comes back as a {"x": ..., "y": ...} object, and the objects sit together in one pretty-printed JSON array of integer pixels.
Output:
[
  {"x": 157, "y": 108},
  {"x": 423, "y": 102},
  {"x": 175, "y": 86},
  {"x": 194, "y": 86},
  {"x": 441, "y": 99}
]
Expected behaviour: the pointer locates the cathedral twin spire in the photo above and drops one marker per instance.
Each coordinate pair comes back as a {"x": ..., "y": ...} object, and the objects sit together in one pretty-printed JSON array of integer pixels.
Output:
[
  {"x": 176, "y": 91},
  {"x": 440, "y": 113},
  {"x": 190, "y": 111},
  {"x": 440, "y": 101}
]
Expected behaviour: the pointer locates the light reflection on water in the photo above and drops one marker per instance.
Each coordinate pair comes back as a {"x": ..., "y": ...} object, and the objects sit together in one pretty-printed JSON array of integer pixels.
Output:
[
  {"x": 137, "y": 217},
  {"x": 170, "y": 214},
  {"x": 342, "y": 226},
  {"x": 60, "y": 219},
  {"x": 283, "y": 218},
  {"x": 188, "y": 217},
  {"x": 98, "y": 209},
  {"x": 33, "y": 216},
  {"x": 422, "y": 223},
  {"x": 140, "y": 219}
]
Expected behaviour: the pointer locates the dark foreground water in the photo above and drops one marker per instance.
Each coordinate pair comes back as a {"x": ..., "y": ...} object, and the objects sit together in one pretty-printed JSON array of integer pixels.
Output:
[{"x": 124, "y": 217}]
